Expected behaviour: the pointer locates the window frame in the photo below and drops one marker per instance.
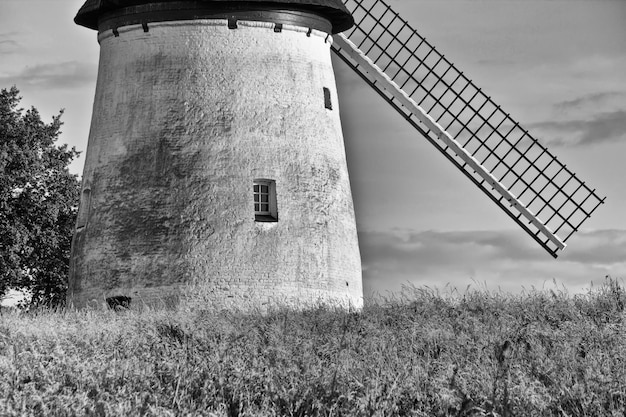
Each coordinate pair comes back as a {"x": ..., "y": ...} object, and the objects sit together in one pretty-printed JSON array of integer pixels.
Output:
[{"x": 271, "y": 214}]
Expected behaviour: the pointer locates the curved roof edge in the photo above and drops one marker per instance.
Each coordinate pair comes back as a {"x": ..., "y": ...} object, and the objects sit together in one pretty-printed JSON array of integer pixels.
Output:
[{"x": 333, "y": 10}]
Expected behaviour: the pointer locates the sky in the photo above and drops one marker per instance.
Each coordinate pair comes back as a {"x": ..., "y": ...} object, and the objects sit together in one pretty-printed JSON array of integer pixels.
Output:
[{"x": 557, "y": 66}]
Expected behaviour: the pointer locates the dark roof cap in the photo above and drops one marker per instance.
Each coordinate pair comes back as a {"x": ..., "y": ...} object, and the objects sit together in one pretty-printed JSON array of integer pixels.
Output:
[{"x": 333, "y": 10}]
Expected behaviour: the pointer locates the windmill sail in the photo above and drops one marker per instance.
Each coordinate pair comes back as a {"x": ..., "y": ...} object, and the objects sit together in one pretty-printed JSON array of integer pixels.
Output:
[{"x": 509, "y": 165}]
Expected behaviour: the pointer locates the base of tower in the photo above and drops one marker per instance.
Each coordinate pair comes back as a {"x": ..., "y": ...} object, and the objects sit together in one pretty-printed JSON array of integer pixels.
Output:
[{"x": 201, "y": 297}]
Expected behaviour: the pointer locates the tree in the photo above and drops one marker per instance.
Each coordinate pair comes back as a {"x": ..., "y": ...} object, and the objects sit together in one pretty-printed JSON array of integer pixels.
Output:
[{"x": 38, "y": 203}]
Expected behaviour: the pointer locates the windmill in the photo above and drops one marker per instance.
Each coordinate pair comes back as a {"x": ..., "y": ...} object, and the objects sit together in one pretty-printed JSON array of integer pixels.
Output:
[{"x": 216, "y": 155}]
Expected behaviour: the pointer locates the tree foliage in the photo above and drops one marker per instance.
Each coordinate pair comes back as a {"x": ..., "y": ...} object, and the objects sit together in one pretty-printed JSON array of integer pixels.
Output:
[{"x": 38, "y": 202}]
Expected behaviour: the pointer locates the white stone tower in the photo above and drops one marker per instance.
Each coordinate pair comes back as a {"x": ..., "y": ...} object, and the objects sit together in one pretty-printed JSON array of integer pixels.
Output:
[{"x": 215, "y": 156}]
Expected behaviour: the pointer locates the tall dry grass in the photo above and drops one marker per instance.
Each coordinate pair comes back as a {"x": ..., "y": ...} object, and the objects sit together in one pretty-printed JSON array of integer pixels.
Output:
[{"x": 542, "y": 353}]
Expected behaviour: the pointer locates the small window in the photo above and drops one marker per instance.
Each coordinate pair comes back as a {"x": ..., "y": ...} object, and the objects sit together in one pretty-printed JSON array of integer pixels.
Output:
[
  {"x": 327, "y": 101},
  {"x": 265, "y": 200}
]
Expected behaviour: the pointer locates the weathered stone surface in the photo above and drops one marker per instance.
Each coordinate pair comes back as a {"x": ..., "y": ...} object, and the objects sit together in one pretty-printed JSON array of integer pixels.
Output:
[{"x": 185, "y": 117}]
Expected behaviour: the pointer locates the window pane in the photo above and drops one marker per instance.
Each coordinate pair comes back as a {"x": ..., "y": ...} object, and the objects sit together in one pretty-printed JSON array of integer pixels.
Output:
[
  {"x": 265, "y": 207},
  {"x": 265, "y": 198},
  {"x": 265, "y": 189},
  {"x": 256, "y": 207},
  {"x": 256, "y": 198},
  {"x": 256, "y": 188}
]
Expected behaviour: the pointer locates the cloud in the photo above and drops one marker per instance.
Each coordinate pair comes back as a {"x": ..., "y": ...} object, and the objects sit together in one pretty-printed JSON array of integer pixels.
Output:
[
  {"x": 499, "y": 259},
  {"x": 7, "y": 43},
  {"x": 592, "y": 100},
  {"x": 599, "y": 128},
  {"x": 8, "y": 46},
  {"x": 591, "y": 118},
  {"x": 423, "y": 250},
  {"x": 62, "y": 75},
  {"x": 607, "y": 247}
]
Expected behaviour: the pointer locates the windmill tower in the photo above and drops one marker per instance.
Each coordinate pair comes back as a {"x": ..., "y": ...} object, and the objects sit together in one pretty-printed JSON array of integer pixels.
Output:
[{"x": 216, "y": 154}]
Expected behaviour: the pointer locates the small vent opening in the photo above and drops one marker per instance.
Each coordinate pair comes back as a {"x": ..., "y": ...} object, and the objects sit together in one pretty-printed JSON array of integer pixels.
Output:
[
  {"x": 327, "y": 100},
  {"x": 119, "y": 302}
]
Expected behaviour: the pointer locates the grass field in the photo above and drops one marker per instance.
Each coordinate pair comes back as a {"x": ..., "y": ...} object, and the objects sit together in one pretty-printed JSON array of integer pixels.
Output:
[{"x": 458, "y": 354}]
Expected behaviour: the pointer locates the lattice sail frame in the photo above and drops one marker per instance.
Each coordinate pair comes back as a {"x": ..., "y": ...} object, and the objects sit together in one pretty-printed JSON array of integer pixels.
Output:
[{"x": 509, "y": 165}]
